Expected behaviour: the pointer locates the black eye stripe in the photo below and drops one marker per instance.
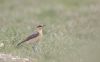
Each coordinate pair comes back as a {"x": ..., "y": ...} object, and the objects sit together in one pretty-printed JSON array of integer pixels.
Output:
[{"x": 39, "y": 26}]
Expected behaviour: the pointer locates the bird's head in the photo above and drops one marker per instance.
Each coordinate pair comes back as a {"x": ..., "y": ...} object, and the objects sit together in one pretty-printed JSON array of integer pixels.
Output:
[{"x": 40, "y": 27}]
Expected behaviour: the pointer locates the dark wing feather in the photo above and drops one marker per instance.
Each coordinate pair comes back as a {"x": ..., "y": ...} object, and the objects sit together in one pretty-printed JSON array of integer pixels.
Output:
[{"x": 35, "y": 34}]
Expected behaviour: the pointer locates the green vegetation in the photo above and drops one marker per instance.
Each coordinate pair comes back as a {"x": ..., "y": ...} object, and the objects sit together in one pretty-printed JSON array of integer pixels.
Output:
[{"x": 71, "y": 33}]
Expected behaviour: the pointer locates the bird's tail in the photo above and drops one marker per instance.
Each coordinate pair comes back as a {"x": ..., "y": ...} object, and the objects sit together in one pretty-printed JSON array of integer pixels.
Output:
[{"x": 20, "y": 43}]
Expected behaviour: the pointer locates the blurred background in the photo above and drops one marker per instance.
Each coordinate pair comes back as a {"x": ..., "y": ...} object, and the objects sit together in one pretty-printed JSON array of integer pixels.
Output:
[{"x": 71, "y": 34}]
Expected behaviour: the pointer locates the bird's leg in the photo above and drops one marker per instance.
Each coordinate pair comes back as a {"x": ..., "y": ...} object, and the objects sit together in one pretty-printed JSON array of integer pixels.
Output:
[{"x": 34, "y": 47}]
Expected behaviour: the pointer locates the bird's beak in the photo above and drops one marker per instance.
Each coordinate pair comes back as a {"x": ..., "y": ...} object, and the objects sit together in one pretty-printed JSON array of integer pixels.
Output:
[{"x": 44, "y": 25}]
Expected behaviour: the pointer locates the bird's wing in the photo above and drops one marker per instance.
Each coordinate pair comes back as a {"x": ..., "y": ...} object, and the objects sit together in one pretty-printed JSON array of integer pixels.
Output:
[{"x": 35, "y": 34}]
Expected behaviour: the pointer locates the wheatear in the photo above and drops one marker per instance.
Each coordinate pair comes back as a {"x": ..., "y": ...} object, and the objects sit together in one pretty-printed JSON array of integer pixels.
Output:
[{"x": 35, "y": 37}]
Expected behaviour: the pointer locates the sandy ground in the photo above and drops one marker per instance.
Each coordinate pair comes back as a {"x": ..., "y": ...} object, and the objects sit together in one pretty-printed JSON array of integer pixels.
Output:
[{"x": 11, "y": 58}]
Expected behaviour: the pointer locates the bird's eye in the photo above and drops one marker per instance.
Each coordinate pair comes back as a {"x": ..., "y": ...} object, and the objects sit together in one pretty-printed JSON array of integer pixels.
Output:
[{"x": 39, "y": 26}]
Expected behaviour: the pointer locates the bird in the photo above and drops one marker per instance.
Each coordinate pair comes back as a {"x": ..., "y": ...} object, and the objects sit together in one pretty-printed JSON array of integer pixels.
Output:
[{"x": 35, "y": 37}]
